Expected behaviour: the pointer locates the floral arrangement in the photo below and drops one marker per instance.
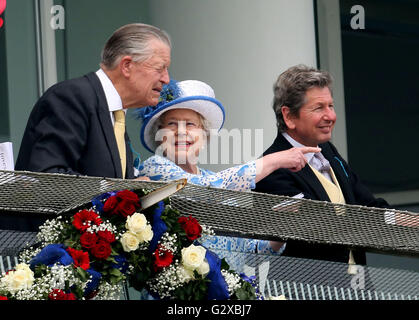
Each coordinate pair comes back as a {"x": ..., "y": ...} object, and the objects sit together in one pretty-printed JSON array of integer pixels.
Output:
[
  {"x": 169, "y": 92},
  {"x": 90, "y": 253}
]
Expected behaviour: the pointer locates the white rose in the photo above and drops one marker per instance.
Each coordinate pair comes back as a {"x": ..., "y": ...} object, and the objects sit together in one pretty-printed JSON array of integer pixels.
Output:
[
  {"x": 21, "y": 278},
  {"x": 129, "y": 241},
  {"x": 185, "y": 274},
  {"x": 204, "y": 268},
  {"x": 136, "y": 223},
  {"x": 24, "y": 267},
  {"x": 146, "y": 234},
  {"x": 193, "y": 256}
]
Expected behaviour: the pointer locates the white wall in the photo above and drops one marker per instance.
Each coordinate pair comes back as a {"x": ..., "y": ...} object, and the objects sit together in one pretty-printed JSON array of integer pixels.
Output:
[{"x": 239, "y": 47}]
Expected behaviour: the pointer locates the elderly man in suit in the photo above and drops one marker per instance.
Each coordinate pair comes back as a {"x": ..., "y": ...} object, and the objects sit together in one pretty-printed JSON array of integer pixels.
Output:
[
  {"x": 303, "y": 105},
  {"x": 77, "y": 126}
]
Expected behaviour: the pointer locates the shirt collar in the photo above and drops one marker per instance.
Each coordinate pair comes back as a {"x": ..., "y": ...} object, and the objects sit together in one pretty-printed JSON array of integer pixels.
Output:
[
  {"x": 112, "y": 96},
  {"x": 296, "y": 144}
]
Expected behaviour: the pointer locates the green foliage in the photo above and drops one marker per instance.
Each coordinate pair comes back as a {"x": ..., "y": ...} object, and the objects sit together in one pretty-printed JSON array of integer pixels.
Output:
[
  {"x": 40, "y": 270},
  {"x": 115, "y": 276},
  {"x": 82, "y": 274},
  {"x": 193, "y": 290},
  {"x": 224, "y": 264},
  {"x": 143, "y": 271},
  {"x": 78, "y": 292},
  {"x": 245, "y": 292}
]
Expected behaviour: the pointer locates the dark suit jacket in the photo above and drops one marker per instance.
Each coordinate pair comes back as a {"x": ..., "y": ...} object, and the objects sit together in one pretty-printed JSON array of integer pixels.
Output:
[
  {"x": 285, "y": 182},
  {"x": 70, "y": 131}
]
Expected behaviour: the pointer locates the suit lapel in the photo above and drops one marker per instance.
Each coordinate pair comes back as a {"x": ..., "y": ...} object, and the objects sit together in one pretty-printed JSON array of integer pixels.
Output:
[
  {"x": 106, "y": 123},
  {"x": 130, "y": 159},
  {"x": 340, "y": 173}
]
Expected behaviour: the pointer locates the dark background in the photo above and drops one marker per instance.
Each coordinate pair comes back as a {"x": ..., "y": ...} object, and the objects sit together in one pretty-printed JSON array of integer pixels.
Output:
[{"x": 381, "y": 68}]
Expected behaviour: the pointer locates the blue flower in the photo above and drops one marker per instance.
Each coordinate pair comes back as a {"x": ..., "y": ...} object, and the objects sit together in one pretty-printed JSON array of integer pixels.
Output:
[
  {"x": 250, "y": 279},
  {"x": 169, "y": 92},
  {"x": 93, "y": 284},
  {"x": 52, "y": 254},
  {"x": 217, "y": 288},
  {"x": 121, "y": 263},
  {"x": 160, "y": 208},
  {"x": 158, "y": 226}
]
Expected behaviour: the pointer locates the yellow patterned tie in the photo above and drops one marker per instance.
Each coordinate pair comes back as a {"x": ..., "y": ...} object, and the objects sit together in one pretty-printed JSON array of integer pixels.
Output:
[{"x": 119, "y": 129}]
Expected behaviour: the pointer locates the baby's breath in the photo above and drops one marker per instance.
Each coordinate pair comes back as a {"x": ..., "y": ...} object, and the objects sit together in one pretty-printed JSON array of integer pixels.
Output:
[
  {"x": 108, "y": 291},
  {"x": 104, "y": 226},
  {"x": 169, "y": 242},
  {"x": 27, "y": 254},
  {"x": 232, "y": 280},
  {"x": 168, "y": 280},
  {"x": 50, "y": 231},
  {"x": 207, "y": 230}
]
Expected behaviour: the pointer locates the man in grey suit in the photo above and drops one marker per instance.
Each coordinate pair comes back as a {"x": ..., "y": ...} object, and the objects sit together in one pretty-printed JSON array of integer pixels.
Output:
[{"x": 71, "y": 127}]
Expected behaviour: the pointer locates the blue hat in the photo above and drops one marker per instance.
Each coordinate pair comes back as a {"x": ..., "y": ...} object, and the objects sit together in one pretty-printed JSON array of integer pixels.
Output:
[{"x": 189, "y": 94}]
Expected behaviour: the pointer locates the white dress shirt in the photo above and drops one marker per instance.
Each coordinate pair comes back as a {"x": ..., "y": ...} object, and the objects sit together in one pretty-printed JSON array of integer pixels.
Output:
[{"x": 112, "y": 96}]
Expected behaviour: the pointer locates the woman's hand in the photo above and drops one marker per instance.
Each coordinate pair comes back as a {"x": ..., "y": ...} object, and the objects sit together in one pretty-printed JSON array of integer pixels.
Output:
[
  {"x": 292, "y": 159},
  {"x": 143, "y": 178}
]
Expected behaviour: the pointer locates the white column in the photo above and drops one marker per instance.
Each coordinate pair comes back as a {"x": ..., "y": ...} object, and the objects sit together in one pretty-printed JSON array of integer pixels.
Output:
[
  {"x": 45, "y": 43},
  {"x": 330, "y": 54}
]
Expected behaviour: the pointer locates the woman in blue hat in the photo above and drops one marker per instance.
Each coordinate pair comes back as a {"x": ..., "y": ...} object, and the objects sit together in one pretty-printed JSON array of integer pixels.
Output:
[{"x": 178, "y": 128}]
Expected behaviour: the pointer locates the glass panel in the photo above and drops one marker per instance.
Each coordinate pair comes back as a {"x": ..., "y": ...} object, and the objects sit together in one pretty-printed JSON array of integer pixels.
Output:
[{"x": 381, "y": 92}]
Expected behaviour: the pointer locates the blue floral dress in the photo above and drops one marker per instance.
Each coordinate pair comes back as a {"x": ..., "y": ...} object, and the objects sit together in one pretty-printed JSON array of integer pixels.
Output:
[{"x": 239, "y": 178}]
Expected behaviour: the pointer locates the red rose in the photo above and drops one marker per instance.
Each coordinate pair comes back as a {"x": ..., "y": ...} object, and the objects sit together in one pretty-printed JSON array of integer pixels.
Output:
[
  {"x": 125, "y": 208},
  {"x": 124, "y": 203},
  {"x": 102, "y": 250},
  {"x": 3, "y": 298},
  {"x": 81, "y": 258},
  {"x": 83, "y": 219},
  {"x": 162, "y": 258},
  {"x": 128, "y": 196},
  {"x": 191, "y": 227},
  {"x": 71, "y": 296},
  {"x": 107, "y": 236},
  {"x": 182, "y": 220},
  {"x": 58, "y": 294},
  {"x": 91, "y": 295},
  {"x": 110, "y": 204},
  {"x": 88, "y": 240}
]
